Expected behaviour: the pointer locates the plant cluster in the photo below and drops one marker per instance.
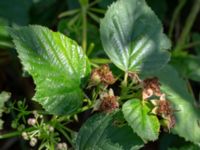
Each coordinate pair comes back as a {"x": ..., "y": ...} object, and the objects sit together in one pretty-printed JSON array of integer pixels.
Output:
[{"x": 130, "y": 96}]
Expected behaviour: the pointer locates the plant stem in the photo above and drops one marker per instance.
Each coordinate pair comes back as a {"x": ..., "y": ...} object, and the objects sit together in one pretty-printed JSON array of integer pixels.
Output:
[
  {"x": 175, "y": 16},
  {"x": 84, "y": 31},
  {"x": 59, "y": 128},
  {"x": 15, "y": 133},
  {"x": 68, "y": 13},
  {"x": 125, "y": 81},
  {"x": 188, "y": 25},
  {"x": 196, "y": 43},
  {"x": 124, "y": 84},
  {"x": 190, "y": 89}
]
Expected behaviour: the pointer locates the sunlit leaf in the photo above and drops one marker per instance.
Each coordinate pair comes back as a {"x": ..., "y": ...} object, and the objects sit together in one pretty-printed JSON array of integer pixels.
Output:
[
  {"x": 138, "y": 116},
  {"x": 57, "y": 65}
]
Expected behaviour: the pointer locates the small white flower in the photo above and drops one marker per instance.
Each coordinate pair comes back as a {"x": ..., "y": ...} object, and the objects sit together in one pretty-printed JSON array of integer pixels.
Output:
[
  {"x": 25, "y": 135},
  {"x": 33, "y": 142},
  {"x": 31, "y": 121}
]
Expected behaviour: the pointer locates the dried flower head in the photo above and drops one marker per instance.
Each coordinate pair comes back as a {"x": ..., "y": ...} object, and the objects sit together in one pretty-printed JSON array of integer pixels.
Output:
[
  {"x": 168, "y": 123},
  {"x": 151, "y": 87},
  {"x": 102, "y": 75},
  {"x": 164, "y": 109},
  {"x": 134, "y": 77},
  {"x": 108, "y": 101}
]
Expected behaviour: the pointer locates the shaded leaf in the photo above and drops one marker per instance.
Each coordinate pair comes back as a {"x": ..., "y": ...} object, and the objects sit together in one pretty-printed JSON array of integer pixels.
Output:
[
  {"x": 132, "y": 36},
  {"x": 101, "y": 132},
  {"x": 57, "y": 65},
  {"x": 186, "y": 147},
  {"x": 138, "y": 116},
  {"x": 196, "y": 40},
  {"x": 187, "y": 115},
  {"x": 188, "y": 66}
]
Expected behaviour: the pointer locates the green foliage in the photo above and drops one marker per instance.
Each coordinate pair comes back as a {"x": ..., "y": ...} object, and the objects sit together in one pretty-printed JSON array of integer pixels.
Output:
[
  {"x": 196, "y": 40},
  {"x": 4, "y": 96},
  {"x": 138, "y": 116},
  {"x": 104, "y": 131},
  {"x": 57, "y": 65},
  {"x": 186, "y": 113},
  {"x": 186, "y": 147},
  {"x": 188, "y": 66},
  {"x": 132, "y": 37},
  {"x": 126, "y": 103}
]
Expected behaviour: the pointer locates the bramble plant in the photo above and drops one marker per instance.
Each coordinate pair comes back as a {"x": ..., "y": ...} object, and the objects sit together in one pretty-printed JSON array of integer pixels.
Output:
[{"x": 128, "y": 99}]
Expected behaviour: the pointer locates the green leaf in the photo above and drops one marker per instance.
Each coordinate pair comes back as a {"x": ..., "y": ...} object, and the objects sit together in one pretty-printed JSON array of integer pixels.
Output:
[
  {"x": 187, "y": 115},
  {"x": 138, "y": 116},
  {"x": 132, "y": 36},
  {"x": 57, "y": 65},
  {"x": 101, "y": 132},
  {"x": 196, "y": 41},
  {"x": 4, "y": 96},
  {"x": 186, "y": 147},
  {"x": 188, "y": 66}
]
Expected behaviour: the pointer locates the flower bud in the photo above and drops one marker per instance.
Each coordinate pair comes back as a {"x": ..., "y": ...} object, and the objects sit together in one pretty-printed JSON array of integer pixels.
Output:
[
  {"x": 151, "y": 87},
  {"x": 51, "y": 129},
  {"x": 61, "y": 146},
  {"x": 35, "y": 113},
  {"x": 25, "y": 136},
  {"x": 95, "y": 78},
  {"x": 102, "y": 75},
  {"x": 33, "y": 142},
  {"x": 31, "y": 121}
]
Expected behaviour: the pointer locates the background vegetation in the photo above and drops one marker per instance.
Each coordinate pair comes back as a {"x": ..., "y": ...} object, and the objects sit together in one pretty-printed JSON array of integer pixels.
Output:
[{"x": 80, "y": 21}]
